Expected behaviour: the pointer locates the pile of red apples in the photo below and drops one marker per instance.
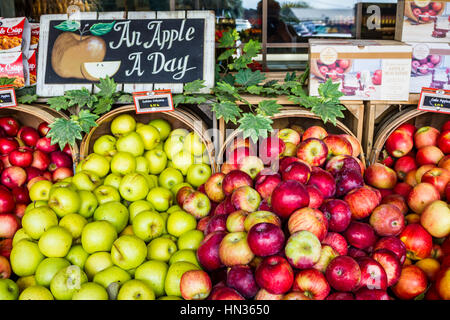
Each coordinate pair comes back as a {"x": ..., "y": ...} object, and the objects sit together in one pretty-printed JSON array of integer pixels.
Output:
[{"x": 27, "y": 156}]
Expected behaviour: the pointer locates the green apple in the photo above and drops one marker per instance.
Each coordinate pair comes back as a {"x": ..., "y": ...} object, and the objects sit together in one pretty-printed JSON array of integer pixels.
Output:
[
  {"x": 88, "y": 203},
  {"x": 96, "y": 163},
  {"x": 113, "y": 212},
  {"x": 123, "y": 163},
  {"x": 163, "y": 127},
  {"x": 79, "y": 166},
  {"x": 105, "y": 194},
  {"x": 149, "y": 135},
  {"x": 179, "y": 132},
  {"x": 194, "y": 144},
  {"x": 174, "y": 208},
  {"x": 154, "y": 178},
  {"x": 190, "y": 240},
  {"x": 123, "y": 124},
  {"x": 77, "y": 256},
  {"x": 97, "y": 262},
  {"x": 135, "y": 290},
  {"x": 105, "y": 145},
  {"x": 154, "y": 274},
  {"x": 142, "y": 165},
  {"x": 20, "y": 234},
  {"x": 64, "y": 201},
  {"x": 139, "y": 206},
  {"x": 161, "y": 249},
  {"x": 113, "y": 180},
  {"x": 198, "y": 174},
  {"x": 128, "y": 252},
  {"x": 159, "y": 146},
  {"x": 40, "y": 190},
  {"x": 148, "y": 225},
  {"x": 169, "y": 164},
  {"x": 160, "y": 198},
  {"x": 9, "y": 290},
  {"x": 173, "y": 278},
  {"x": 62, "y": 184},
  {"x": 169, "y": 236},
  {"x": 90, "y": 291},
  {"x": 98, "y": 236},
  {"x": 110, "y": 275},
  {"x": 36, "y": 293},
  {"x": 36, "y": 204},
  {"x": 182, "y": 161},
  {"x": 165, "y": 216},
  {"x": 132, "y": 143},
  {"x": 25, "y": 258},
  {"x": 48, "y": 268},
  {"x": 128, "y": 231},
  {"x": 74, "y": 223},
  {"x": 170, "y": 298},
  {"x": 173, "y": 145},
  {"x": 170, "y": 177},
  {"x": 180, "y": 222},
  {"x": 86, "y": 180},
  {"x": 134, "y": 187},
  {"x": 37, "y": 220},
  {"x": 66, "y": 282},
  {"x": 186, "y": 255},
  {"x": 55, "y": 242},
  {"x": 25, "y": 282},
  {"x": 157, "y": 161}
]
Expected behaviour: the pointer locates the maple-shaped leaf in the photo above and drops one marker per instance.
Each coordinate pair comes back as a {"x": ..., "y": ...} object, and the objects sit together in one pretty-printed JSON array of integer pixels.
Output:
[
  {"x": 27, "y": 98},
  {"x": 228, "y": 39},
  {"x": 178, "y": 99},
  {"x": 64, "y": 131},
  {"x": 58, "y": 103},
  {"x": 226, "y": 54},
  {"x": 254, "y": 90},
  {"x": 194, "y": 86},
  {"x": 195, "y": 100},
  {"x": 103, "y": 105},
  {"x": 268, "y": 107},
  {"x": 5, "y": 81},
  {"x": 87, "y": 120},
  {"x": 82, "y": 97},
  {"x": 252, "y": 48},
  {"x": 107, "y": 87},
  {"x": 290, "y": 76},
  {"x": 255, "y": 126},
  {"x": 247, "y": 77},
  {"x": 328, "y": 111},
  {"x": 330, "y": 90},
  {"x": 125, "y": 98},
  {"x": 225, "y": 88},
  {"x": 240, "y": 63},
  {"x": 270, "y": 83},
  {"x": 230, "y": 79},
  {"x": 227, "y": 110}
]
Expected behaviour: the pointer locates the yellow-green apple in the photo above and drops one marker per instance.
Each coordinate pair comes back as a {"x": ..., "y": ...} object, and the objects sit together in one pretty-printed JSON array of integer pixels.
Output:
[
  {"x": 299, "y": 129},
  {"x": 123, "y": 163},
  {"x": 289, "y": 196},
  {"x": 98, "y": 236},
  {"x": 298, "y": 171},
  {"x": 55, "y": 242},
  {"x": 9, "y": 290},
  {"x": 132, "y": 143},
  {"x": 235, "y": 221},
  {"x": 20, "y": 235},
  {"x": 399, "y": 143},
  {"x": 290, "y": 150},
  {"x": 157, "y": 160},
  {"x": 36, "y": 293},
  {"x": 417, "y": 240},
  {"x": 312, "y": 284},
  {"x": 275, "y": 275},
  {"x": 96, "y": 163},
  {"x": 137, "y": 207},
  {"x": 77, "y": 256},
  {"x": 110, "y": 275},
  {"x": 36, "y": 221},
  {"x": 438, "y": 177},
  {"x": 128, "y": 252},
  {"x": 327, "y": 254},
  {"x": 148, "y": 225},
  {"x": 133, "y": 187},
  {"x": 105, "y": 145},
  {"x": 324, "y": 181},
  {"x": 161, "y": 249},
  {"x": 38, "y": 191},
  {"x": 149, "y": 135},
  {"x": 436, "y": 219},
  {"x": 312, "y": 220},
  {"x": 387, "y": 220},
  {"x": 142, "y": 165},
  {"x": 90, "y": 291},
  {"x": 123, "y": 124},
  {"x": 113, "y": 180},
  {"x": 343, "y": 274},
  {"x": 213, "y": 187},
  {"x": 429, "y": 155},
  {"x": 251, "y": 165},
  {"x": 266, "y": 181},
  {"x": 338, "y": 145},
  {"x": 315, "y": 132},
  {"x": 312, "y": 151},
  {"x": 163, "y": 126},
  {"x": 97, "y": 262},
  {"x": 194, "y": 144},
  {"x": 208, "y": 252},
  {"x": 413, "y": 282},
  {"x": 190, "y": 240},
  {"x": 234, "y": 249},
  {"x": 270, "y": 149},
  {"x": 170, "y": 177},
  {"x": 174, "y": 274},
  {"x": 197, "y": 204},
  {"x": 426, "y": 136},
  {"x": 88, "y": 204},
  {"x": 360, "y": 235},
  {"x": 182, "y": 161},
  {"x": 362, "y": 201},
  {"x": 184, "y": 255},
  {"x": 356, "y": 146},
  {"x": 180, "y": 222},
  {"x": 422, "y": 195},
  {"x": 105, "y": 194},
  {"x": 198, "y": 174},
  {"x": 160, "y": 198},
  {"x": 153, "y": 273},
  {"x": 174, "y": 144},
  {"x": 289, "y": 135},
  {"x": 234, "y": 180},
  {"x": 265, "y": 239},
  {"x": 25, "y": 258},
  {"x": 86, "y": 180},
  {"x": 48, "y": 268},
  {"x": 135, "y": 290},
  {"x": 256, "y": 217},
  {"x": 195, "y": 285},
  {"x": 74, "y": 223},
  {"x": 303, "y": 249},
  {"x": 115, "y": 213},
  {"x": 246, "y": 198},
  {"x": 241, "y": 279},
  {"x": 66, "y": 282}
]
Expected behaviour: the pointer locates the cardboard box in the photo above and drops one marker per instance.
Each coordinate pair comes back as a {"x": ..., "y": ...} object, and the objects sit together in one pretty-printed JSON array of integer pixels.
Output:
[
  {"x": 365, "y": 69},
  {"x": 430, "y": 66},
  {"x": 15, "y": 34},
  {"x": 423, "y": 21}
]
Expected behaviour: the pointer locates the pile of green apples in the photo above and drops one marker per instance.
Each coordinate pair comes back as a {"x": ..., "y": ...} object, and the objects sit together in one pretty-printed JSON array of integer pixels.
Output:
[{"x": 114, "y": 230}]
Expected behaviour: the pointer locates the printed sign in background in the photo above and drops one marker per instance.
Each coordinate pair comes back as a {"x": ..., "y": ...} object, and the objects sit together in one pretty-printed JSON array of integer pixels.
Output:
[
  {"x": 7, "y": 97},
  {"x": 140, "y": 50},
  {"x": 153, "y": 101},
  {"x": 435, "y": 100}
]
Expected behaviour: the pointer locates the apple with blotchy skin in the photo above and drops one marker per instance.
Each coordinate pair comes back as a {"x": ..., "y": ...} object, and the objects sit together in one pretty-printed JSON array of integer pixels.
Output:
[
  {"x": 245, "y": 198},
  {"x": 317, "y": 132},
  {"x": 251, "y": 165},
  {"x": 242, "y": 279},
  {"x": 399, "y": 143},
  {"x": 234, "y": 180},
  {"x": 225, "y": 207},
  {"x": 234, "y": 249},
  {"x": 417, "y": 240},
  {"x": 13, "y": 177},
  {"x": 312, "y": 151},
  {"x": 309, "y": 219},
  {"x": 343, "y": 162},
  {"x": 404, "y": 165},
  {"x": 356, "y": 146},
  {"x": 393, "y": 244},
  {"x": 343, "y": 274},
  {"x": 422, "y": 195},
  {"x": 315, "y": 197},
  {"x": 338, "y": 145},
  {"x": 337, "y": 242},
  {"x": 413, "y": 282},
  {"x": 436, "y": 219},
  {"x": 265, "y": 239},
  {"x": 348, "y": 180},
  {"x": 208, "y": 251},
  {"x": 195, "y": 285},
  {"x": 266, "y": 181},
  {"x": 380, "y": 176},
  {"x": 9, "y": 224},
  {"x": 390, "y": 263},
  {"x": 327, "y": 254},
  {"x": 213, "y": 187},
  {"x": 303, "y": 249},
  {"x": 419, "y": 173},
  {"x": 387, "y": 220},
  {"x": 275, "y": 275},
  {"x": 362, "y": 201},
  {"x": 439, "y": 178},
  {"x": 429, "y": 155},
  {"x": 256, "y": 217},
  {"x": 216, "y": 223},
  {"x": 426, "y": 136},
  {"x": 263, "y": 294},
  {"x": 311, "y": 283}
]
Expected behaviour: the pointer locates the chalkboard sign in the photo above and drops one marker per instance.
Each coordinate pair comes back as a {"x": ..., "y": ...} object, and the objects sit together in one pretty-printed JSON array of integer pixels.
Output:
[
  {"x": 7, "y": 97},
  {"x": 139, "y": 50},
  {"x": 153, "y": 101},
  {"x": 435, "y": 100}
]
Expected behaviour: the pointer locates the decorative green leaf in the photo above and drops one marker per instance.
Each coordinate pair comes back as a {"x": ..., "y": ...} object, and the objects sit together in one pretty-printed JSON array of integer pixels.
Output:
[
  {"x": 100, "y": 29},
  {"x": 103, "y": 105},
  {"x": 225, "y": 55},
  {"x": 87, "y": 120},
  {"x": 195, "y": 100},
  {"x": 58, "y": 103},
  {"x": 271, "y": 83},
  {"x": 107, "y": 87},
  {"x": 240, "y": 63},
  {"x": 228, "y": 39},
  {"x": 254, "y": 90},
  {"x": 194, "y": 86},
  {"x": 305, "y": 75},
  {"x": 64, "y": 131},
  {"x": 125, "y": 98},
  {"x": 230, "y": 79},
  {"x": 178, "y": 99},
  {"x": 328, "y": 111},
  {"x": 225, "y": 87},
  {"x": 252, "y": 48},
  {"x": 227, "y": 110},
  {"x": 268, "y": 107},
  {"x": 27, "y": 99},
  {"x": 330, "y": 90},
  {"x": 290, "y": 76},
  {"x": 80, "y": 98},
  {"x": 247, "y": 77},
  {"x": 255, "y": 126},
  {"x": 5, "y": 81},
  {"x": 68, "y": 25}
]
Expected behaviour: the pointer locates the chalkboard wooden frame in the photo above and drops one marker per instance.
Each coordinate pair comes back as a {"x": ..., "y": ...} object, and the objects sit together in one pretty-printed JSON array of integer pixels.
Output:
[{"x": 51, "y": 90}]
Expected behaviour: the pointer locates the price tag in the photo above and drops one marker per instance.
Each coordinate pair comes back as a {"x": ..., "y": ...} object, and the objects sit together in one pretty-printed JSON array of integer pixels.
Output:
[
  {"x": 7, "y": 97},
  {"x": 153, "y": 101},
  {"x": 434, "y": 100}
]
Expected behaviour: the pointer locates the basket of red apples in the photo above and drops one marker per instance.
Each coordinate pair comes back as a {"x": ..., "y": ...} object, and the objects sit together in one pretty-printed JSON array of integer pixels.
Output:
[
  {"x": 331, "y": 71},
  {"x": 27, "y": 156},
  {"x": 423, "y": 11}
]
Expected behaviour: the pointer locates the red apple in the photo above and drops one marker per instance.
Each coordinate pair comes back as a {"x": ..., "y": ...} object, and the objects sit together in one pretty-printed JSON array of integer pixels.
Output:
[
  {"x": 337, "y": 242},
  {"x": 6, "y": 247},
  {"x": 13, "y": 177},
  {"x": 9, "y": 224},
  {"x": 356, "y": 253},
  {"x": 338, "y": 214},
  {"x": 443, "y": 142},
  {"x": 373, "y": 275},
  {"x": 213, "y": 187},
  {"x": 397, "y": 201},
  {"x": 202, "y": 223},
  {"x": 393, "y": 244},
  {"x": 380, "y": 176},
  {"x": 360, "y": 235},
  {"x": 19, "y": 210},
  {"x": 343, "y": 162},
  {"x": 227, "y": 167},
  {"x": 195, "y": 285},
  {"x": 237, "y": 154},
  {"x": 343, "y": 274},
  {"x": 21, "y": 157},
  {"x": 387, "y": 159},
  {"x": 234, "y": 180},
  {"x": 298, "y": 171},
  {"x": 387, "y": 220},
  {"x": 409, "y": 128},
  {"x": 265, "y": 239},
  {"x": 426, "y": 136},
  {"x": 41, "y": 160},
  {"x": 368, "y": 294},
  {"x": 413, "y": 282},
  {"x": 216, "y": 223},
  {"x": 315, "y": 132},
  {"x": 21, "y": 195},
  {"x": 429, "y": 155},
  {"x": 338, "y": 145},
  {"x": 402, "y": 189},
  {"x": 225, "y": 207},
  {"x": 263, "y": 294},
  {"x": 6, "y": 200},
  {"x": 266, "y": 181},
  {"x": 33, "y": 172},
  {"x": 208, "y": 251},
  {"x": 241, "y": 279},
  {"x": 446, "y": 126},
  {"x": 9, "y": 125},
  {"x": 421, "y": 171},
  {"x": 309, "y": 219},
  {"x": 8, "y": 145},
  {"x": 422, "y": 195},
  {"x": 225, "y": 293},
  {"x": 29, "y": 136},
  {"x": 439, "y": 178},
  {"x": 275, "y": 275},
  {"x": 256, "y": 217},
  {"x": 340, "y": 296},
  {"x": 362, "y": 202},
  {"x": 45, "y": 145},
  {"x": 417, "y": 240},
  {"x": 59, "y": 159},
  {"x": 436, "y": 219},
  {"x": 311, "y": 283},
  {"x": 270, "y": 149},
  {"x": 443, "y": 283},
  {"x": 403, "y": 165},
  {"x": 61, "y": 174},
  {"x": 43, "y": 129},
  {"x": 183, "y": 193},
  {"x": 315, "y": 197},
  {"x": 5, "y": 268},
  {"x": 289, "y": 196},
  {"x": 324, "y": 181},
  {"x": 313, "y": 151},
  {"x": 399, "y": 143},
  {"x": 390, "y": 263},
  {"x": 286, "y": 161},
  {"x": 348, "y": 180},
  {"x": 246, "y": 198},
  {"x": 356, "y": 146}
]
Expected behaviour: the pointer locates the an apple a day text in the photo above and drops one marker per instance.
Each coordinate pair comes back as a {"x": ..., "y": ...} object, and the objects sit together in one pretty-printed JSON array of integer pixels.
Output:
[{"x": 159, "y": 39}]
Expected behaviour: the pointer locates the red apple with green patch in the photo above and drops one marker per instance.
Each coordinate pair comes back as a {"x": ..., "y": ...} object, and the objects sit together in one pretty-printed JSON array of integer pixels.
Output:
[
  {"x": 426, "y": 136},
  {"x": 313, "y": 151},
  {"x": 439, "y": 178},
  {"x": 338, "y": 145},
  {"x": 417, "y": 240},
  {"x": 399, "y": 143},
  {"x": 195, "y": 285},
  {"x": 289, "y": 135},
  {"x": 303, "y": 249},
  {"x": 327, "y": 254},
  {"x": 429, "y": 155},
  {"x": 213, "y": 187},
  {"x": 311, "y": 283},
  {"x": 380, "y": 176},
  {"x": 251, "y": 165},
  {"x": 245, "y": 198}
]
